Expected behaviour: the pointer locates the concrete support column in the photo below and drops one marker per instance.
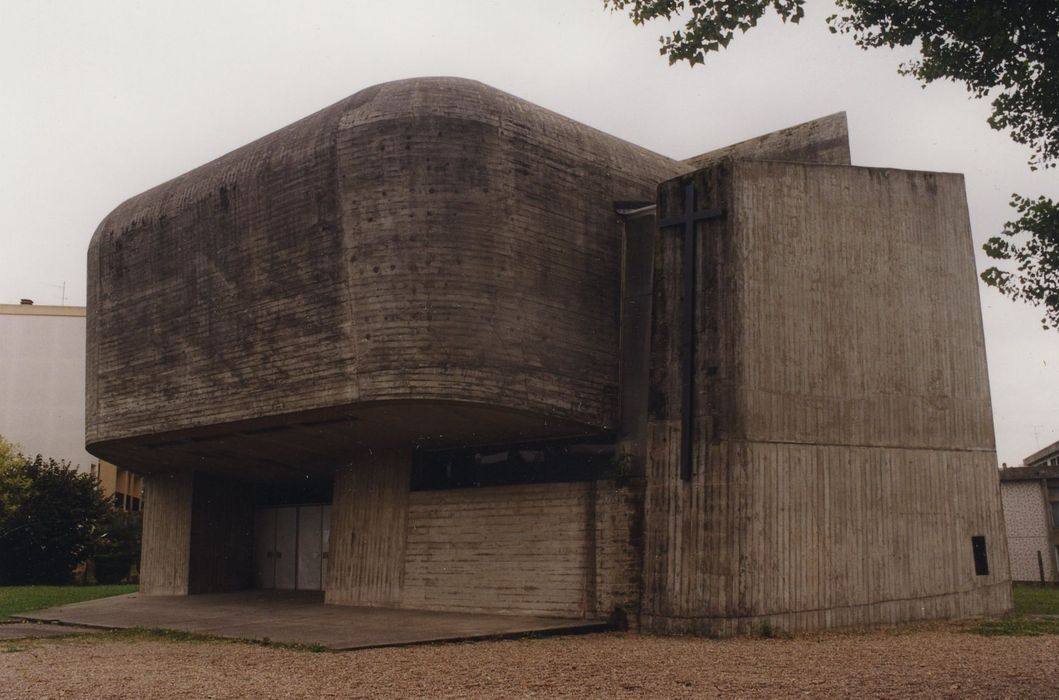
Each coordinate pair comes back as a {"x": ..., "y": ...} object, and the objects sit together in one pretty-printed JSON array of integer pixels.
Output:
[
  {"x": 369, "y": 519},
  {"x": 166, "y": 549}
]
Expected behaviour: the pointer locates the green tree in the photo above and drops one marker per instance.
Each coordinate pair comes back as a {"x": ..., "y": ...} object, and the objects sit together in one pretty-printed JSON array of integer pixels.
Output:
[
  {"x": 118, "y": 549},
  {"x": 51, "y": 521},
  {"x": 1007, "y": 50},
  {"x": 9, "y": 454},
  {"x": 12, "y": 482}
]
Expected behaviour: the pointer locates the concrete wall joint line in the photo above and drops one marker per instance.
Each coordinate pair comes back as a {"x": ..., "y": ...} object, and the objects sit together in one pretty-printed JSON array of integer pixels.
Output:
[
  {"x": 853, "y": 606},
  {"x": 808, "y": 443}
]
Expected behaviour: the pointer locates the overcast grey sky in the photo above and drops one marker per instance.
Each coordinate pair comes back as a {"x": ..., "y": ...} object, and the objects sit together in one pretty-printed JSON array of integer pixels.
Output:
[{"x": 105, "y": 99}]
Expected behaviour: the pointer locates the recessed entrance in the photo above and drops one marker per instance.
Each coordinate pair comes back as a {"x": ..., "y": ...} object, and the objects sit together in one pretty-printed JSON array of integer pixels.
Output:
[{"x": 291, "y": 546}]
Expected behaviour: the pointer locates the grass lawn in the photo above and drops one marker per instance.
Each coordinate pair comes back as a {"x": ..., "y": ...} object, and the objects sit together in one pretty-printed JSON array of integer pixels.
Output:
[
  {"x": 20, "y": 599},
  {"x": 1036, "y": 600},
  {"x": 1031, "y": 603}
]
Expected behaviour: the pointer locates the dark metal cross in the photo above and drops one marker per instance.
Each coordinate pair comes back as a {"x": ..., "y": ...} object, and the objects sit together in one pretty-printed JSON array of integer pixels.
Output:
[{"x": 689, "y": 219}]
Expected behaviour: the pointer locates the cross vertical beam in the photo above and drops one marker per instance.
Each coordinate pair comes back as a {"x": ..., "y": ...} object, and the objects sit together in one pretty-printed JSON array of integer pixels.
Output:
[{"x": 688, "y": 220}]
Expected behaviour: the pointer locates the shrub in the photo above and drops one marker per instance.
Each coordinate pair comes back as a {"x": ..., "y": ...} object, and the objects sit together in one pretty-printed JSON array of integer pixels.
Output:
[
  {"x": 50, "y": 519},
  {"x": 119, "y": 547}
]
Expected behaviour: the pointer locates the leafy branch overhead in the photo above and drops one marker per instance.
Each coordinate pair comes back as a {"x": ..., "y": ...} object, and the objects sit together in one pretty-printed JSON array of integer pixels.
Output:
[
  {"x": 1004, "y": 50},
  {"x": 1032, "y": 243}
]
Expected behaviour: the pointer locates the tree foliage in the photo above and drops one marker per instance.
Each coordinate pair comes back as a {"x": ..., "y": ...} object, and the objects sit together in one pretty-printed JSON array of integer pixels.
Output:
[
  {"x": 710, "y": 24},
  {"x": 118, "y": 549},
  {"x": 1006, "y": 50},
  {"x": 50, "y": 521},
  {"x": 9, "y": 455},
  {"x": 1032, "y": 242},
  {"x": 11, "y": 480}
]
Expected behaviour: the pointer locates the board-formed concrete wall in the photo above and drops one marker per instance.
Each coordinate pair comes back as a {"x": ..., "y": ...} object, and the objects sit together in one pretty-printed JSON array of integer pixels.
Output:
[
  {"x": 428, "y": 240},
  {"x": 845, "y": 453},
  {"x": 433, "y": 262},
  {"x": 165, "y": 555},
  {"x": 560, "y": 549},
  {"x": 369, "y": 521},
  {"x": 823, "y": 140},
  {"x": 517, "y": 549}
]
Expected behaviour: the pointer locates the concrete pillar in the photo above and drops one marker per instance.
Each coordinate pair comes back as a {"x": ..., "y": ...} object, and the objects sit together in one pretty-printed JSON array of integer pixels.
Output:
[
  {"x": 369, "y": 517},
  {"x": 166, "y": 549}
]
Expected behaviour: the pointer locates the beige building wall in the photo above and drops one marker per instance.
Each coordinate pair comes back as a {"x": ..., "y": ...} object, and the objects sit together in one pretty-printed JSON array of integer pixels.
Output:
[
  {"x": 42, "y": 381},
  {"x": 122, "y": 487},
  {"x": 1026, "y": 518}
]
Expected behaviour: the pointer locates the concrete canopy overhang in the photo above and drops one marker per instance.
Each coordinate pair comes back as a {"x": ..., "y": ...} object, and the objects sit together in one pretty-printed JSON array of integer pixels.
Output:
[{"x": 294, "y": 445}]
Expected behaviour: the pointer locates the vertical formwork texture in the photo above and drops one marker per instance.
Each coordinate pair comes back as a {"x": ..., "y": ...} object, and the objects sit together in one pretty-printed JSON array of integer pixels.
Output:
[
  {"x": 165, "y": 552},
  {"x": 844, "y": 453},
  {"x": 369, "y": 517}
]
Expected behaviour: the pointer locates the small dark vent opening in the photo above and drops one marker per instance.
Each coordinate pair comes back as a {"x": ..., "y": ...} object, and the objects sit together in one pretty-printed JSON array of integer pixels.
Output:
[{"x": 981, "y": 559}]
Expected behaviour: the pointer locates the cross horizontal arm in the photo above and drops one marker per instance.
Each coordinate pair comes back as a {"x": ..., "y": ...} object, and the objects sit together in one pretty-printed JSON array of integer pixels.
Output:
[{"x": 703, "y": 215}]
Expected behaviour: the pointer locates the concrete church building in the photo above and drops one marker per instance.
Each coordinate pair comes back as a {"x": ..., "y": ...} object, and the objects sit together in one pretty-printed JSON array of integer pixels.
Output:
[{"x": 436, "y": 347}]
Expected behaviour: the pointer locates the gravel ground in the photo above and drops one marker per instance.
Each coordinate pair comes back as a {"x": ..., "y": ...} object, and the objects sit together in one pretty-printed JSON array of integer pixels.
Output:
[{"x": 888, "y": 664}]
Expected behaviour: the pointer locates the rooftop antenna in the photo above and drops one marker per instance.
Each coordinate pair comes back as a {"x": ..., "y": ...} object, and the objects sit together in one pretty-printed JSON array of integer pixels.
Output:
[{"x": 62, "y": 287}]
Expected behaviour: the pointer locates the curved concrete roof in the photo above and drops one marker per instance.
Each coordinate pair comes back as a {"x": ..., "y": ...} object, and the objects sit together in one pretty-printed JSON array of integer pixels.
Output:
[{"x": 426, "y": 242}]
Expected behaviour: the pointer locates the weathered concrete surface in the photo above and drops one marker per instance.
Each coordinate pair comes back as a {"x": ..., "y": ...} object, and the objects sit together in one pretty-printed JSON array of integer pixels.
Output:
[
  {"x": 165, "y": 552},
  {"x": 300, "y": 618},
  {"x": 433, "y": 263},
  {"x": 432, "y": 243},
  {"x": 554, "y": 549},
  {"x": 844, "y": 453},
  {"x": 823, "y": 140},
  {"x": 369, "y": 519}
]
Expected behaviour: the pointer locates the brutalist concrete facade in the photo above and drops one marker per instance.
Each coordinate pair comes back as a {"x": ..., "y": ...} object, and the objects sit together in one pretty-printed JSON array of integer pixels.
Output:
[{"x": 434, "y": 265}]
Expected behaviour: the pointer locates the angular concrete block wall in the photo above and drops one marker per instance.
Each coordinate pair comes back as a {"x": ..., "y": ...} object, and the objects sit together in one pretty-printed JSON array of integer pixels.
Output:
[{"x": 845, "y": 452}]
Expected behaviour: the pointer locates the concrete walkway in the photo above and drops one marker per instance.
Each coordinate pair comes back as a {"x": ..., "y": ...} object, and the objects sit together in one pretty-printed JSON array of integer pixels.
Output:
[{"x": 300, "y": 618}]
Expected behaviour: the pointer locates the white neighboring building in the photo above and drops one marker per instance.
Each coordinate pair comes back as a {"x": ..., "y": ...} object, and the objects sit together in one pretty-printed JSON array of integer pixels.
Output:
[{"x": 42, "y": 381}]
